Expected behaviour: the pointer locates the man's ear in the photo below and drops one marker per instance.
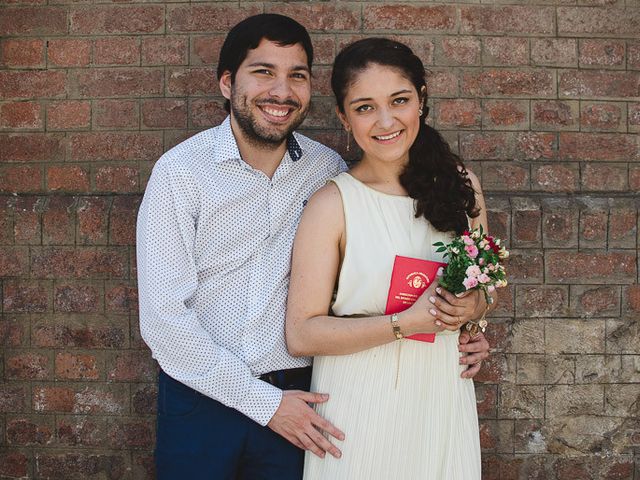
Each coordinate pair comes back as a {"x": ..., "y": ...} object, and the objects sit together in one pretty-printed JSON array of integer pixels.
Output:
[
  {"x": 225, "y": 84},
  {"x": 343, "y": 119}
]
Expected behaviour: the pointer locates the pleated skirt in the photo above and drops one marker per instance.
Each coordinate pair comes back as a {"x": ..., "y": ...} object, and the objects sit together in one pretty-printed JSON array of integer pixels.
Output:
[{"x": 405, "y": 412}]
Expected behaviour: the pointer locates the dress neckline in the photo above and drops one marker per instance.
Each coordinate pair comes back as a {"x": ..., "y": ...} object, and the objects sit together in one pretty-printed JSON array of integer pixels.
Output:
[{"x": 377, "y": 192}]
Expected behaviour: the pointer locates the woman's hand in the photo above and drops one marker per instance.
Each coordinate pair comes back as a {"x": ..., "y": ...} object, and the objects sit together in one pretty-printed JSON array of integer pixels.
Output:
[
  {"x": 455, "y": 310},
  {"x": 421, "y": 316}
]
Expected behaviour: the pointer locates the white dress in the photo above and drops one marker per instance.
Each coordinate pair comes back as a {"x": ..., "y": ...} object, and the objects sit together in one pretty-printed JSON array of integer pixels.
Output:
[{"x": 404, "y": 409}]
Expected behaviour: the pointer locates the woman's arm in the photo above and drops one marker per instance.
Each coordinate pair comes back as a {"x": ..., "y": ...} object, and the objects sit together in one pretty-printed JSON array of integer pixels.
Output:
[{"x": 314, "y": 272}]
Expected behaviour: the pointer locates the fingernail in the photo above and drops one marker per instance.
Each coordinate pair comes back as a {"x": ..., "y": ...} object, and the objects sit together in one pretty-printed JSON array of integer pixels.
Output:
[
  {"x": 433, "y": 312},
  {"x": 438, "y": 289},
  {"x": 438, "y": 323},
  {"x": 432, "y": 299}
]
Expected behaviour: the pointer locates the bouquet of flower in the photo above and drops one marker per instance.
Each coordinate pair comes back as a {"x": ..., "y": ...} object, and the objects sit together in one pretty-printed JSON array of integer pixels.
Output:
[{"x": 474, "y": 262}]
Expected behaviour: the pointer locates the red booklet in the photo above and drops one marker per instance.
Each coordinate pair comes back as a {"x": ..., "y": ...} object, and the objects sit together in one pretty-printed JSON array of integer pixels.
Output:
[{"x": 410, "y": 277}]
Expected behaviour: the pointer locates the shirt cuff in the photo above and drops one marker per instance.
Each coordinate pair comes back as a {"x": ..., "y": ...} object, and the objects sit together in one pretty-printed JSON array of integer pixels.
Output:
[{"x": 261, "y": 402}]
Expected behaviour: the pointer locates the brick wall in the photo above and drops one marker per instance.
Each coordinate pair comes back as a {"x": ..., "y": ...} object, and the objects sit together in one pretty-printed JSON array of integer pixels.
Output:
[{"x": 542, "y": 97}]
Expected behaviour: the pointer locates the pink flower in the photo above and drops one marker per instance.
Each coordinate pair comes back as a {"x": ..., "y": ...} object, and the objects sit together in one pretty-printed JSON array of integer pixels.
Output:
[
  {"x": 487, "y": 247},
  {"x": 472, "y": 271},
  {"x": 471, "y": 250},
  {"x": 481, "y": 261},
  {"x": 491, "y": 288},
  {"x": 467, "y": 240},
  {"x": 470, "y": 282},
  {"x": 484, "y": 278}
]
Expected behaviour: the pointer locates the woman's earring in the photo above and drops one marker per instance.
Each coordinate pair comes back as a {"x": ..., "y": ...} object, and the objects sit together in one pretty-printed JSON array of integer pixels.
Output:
[
  {"x": 420, "y": 112},
  {"x": 348, "y": 139}
]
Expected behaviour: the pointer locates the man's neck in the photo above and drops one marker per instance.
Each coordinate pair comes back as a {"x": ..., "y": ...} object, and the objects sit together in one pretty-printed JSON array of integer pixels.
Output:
[{"x": 261, "y": 157}]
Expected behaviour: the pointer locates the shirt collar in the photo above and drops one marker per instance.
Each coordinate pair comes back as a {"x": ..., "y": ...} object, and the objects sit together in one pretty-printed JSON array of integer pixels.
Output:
[{"x": 228, "y": 147}]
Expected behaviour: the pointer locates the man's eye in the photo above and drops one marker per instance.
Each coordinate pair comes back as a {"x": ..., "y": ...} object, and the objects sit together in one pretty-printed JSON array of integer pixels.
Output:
[
  {"x": 262, "y": 71},
  {"x": 299, "y": 76}
]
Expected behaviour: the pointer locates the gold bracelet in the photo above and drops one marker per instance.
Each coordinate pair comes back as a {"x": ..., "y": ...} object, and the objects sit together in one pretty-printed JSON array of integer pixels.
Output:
[
  {"x": 475, "y": 327},
  {"x": 396, "y": 326}
]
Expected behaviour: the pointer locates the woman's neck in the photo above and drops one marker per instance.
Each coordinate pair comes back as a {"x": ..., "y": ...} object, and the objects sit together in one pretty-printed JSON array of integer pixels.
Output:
[{"x": 383, "y": 176}]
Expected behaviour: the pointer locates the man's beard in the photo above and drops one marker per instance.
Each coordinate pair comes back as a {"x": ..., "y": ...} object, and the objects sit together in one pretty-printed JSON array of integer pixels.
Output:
[{"x": 258, "y": 134}]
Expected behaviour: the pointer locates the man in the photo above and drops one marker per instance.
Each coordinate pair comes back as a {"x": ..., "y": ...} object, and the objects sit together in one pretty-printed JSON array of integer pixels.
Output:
[{"x": 215, "y": 231}]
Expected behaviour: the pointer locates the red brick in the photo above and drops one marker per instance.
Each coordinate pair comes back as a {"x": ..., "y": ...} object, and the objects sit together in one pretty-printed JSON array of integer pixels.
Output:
[
  {"x": 14, "y": 261},
  {"x": 58, "y": 221},
  {"x": 526, "y": 227},
  {"x": 492, "y": 83},
  {"x": 31, "y": 147},
  {"x": 506, "y": 19},
  {"x": 26, "y": 220},
  {"x": 602, "y": 116},
  {"x": 104, "y": 82},
  {"x": 634, "y": 117},
  {"x": 555, "y": 52},
  {"x": 634, "y": 178},
  {"x": 115, "y": 146},
  {"x": 82, "y": 399},
  {"x": 542, "y": 301},
  {"x": 122, "y": 220},
  {"x": 632, "y": 298},
  {"x": 68, "y": 178},
  {"x": 204, "y": 112},
  {"x": 164, "y": 113},
  {"x": 206, "y": 18},
  {"x": 590, "y": 267},
  {"x": 13, "y": 398},
  {"x": 25, "y": 297},
  {"x": 442, "y": 83},
  {"x": 206, "y": 48},
  {"x": 79, "y": 336},
  {"x": 93, "y": 220},
  {"x": 623, "y": 223},
  {"x": 593, "y": 227},
  {"x": 192, "y": 81},
  {"x": 589, "y": 84},
  {"x": 596, "y": 301},
  {"x": 77, "y": 298},
  {"x": 27, "y": 366},
  {"x": 498, "y": 368},
  {"x": 79, "y": 262},
  {"x": 560, "y": 225},
  {"x": 80, "y": 465},
  {"x": 633, "y": 55},
  {"x": 555, "y": 115},
  {"x": 69, "y": 52},
  {"x": 459, "y": 51},
  {"x": 121, "y": 299},
  {"x": 505, "y": 114},
  {"x": 595, "y": 21},
  {"x": 505, "y": 176},
  {"x": 12, "y": 333},
  {"x": 29, "y": 85},
  {"x": 68, "y": 114},
  {"x": 133, "y": 433},
  {"x": 167, "y": 51},
  {"x": 604, "y": 177},
  {"x": 487, "y": 400},
  {"x": 122, "y": 179},
  {"x": 80, "y": 430},
  {"x": 25, "y": 431},
  {"x": 20, "y": 115},
  {"x": 555, "y": 177},
  {"x": 601, "y": 53},
  {"x": 599, "y": 146},
  {"x": 132, "y": 366},
  {"x": 97, "y": 20},
  {"x": 535, "y": 146},
  {"x": 116, "y": 51},
  {"x": 439, "y": 18},
  {"x": 526, "y": 266},
  {"x": 14, "y": 464},
  {"x": 458, "y": 113},
  {"x": 72, "y": 366},
  {"x": 18, "y": 21},
  {"x": 505, "y": 51},
  {"x": 144, "y": 399},
  {"x": 324, "y": 49},
  {"x": 20, "y": 179},
  {"x": 22, "y": 52},
  {"x": 116, "y": 114}
]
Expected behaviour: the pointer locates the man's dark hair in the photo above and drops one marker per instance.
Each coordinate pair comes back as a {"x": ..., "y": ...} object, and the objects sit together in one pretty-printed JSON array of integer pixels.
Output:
[{"x": 248, "y": 34}]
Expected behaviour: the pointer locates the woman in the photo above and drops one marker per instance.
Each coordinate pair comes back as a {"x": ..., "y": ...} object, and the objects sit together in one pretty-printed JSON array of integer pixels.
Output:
[{"x": 405, "y": 410}]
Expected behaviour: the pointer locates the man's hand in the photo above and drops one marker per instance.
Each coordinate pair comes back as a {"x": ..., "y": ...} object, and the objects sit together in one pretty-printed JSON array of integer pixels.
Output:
[
  {"x": 477, "y": 349},
  {"x": 296, "y": 421}
]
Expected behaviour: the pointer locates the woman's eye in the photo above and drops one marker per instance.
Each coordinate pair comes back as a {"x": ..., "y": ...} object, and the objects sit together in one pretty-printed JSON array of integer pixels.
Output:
[
  {"x": 400, "y": 100},
  {"x": 364, "y": 108}
]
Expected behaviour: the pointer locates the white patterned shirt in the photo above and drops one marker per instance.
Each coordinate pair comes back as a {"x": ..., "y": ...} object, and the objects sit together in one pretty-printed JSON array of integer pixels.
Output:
[{"x": 214, "y": 240}]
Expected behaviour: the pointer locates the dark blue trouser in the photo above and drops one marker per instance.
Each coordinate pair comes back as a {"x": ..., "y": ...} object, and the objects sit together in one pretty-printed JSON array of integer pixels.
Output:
[{"x": 200, "y": 438}]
